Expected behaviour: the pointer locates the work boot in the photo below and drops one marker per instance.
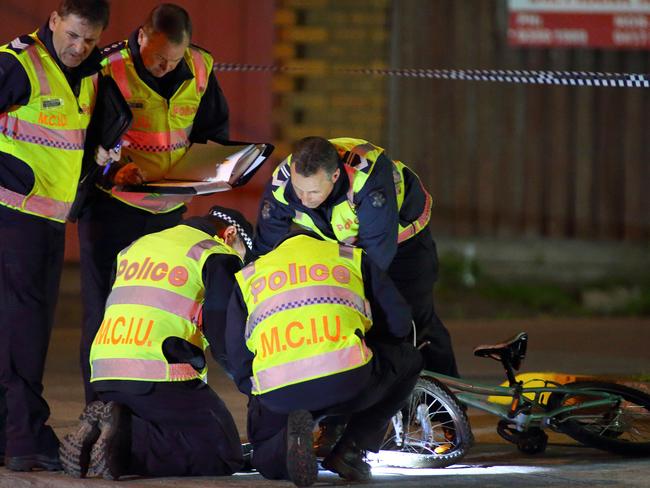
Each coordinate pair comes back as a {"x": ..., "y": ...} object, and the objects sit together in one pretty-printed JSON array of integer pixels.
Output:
[
  {"x": 33, "y": 461},
  {"x": 301, "y": 460},
  {"x": 330, "y": 431},
  {"x": 109, "y": 457},
  {"x": 347, "y": 460},
  {"x": 75, "y": 448}
]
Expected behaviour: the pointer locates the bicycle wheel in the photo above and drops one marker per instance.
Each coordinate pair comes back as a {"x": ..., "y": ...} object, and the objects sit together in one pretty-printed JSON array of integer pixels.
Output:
[
  {"x": 431, "y": 431},
  {"x": 622, "y": 428}
]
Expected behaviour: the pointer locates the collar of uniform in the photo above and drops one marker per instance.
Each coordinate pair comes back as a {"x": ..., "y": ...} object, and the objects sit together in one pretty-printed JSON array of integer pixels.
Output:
[
  {"x": 200, "y": 223},
  {"x": 181, "y": 73},
  {"x": 88, "y": 67},
  {"x": 298, "y": 231}
]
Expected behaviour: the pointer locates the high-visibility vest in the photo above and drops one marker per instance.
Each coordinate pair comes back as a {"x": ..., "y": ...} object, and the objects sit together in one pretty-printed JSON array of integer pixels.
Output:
[
  {"x": 359, "y": 158},
  {"x": 158, "y": 293},
  {"x": 47, "y": 133},
  {"x": 159, "y": 135},
  {"x": 307, "y": 312}
]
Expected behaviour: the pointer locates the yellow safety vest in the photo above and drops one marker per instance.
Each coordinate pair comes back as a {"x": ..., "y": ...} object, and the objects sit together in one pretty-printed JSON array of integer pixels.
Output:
[
  {"x": 158, "y": 293},
  {"x": 359, "y": 158},
  {"x": 307, "y": 312},
  {"x": 159, "y": 136},
  {"x": 47, "y": 133}
]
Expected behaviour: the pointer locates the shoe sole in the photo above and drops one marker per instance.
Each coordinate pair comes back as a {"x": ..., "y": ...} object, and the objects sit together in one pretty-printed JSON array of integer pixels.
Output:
[
  {"x": 75, "y": 448},
  {"x": 301, "y": 459},
  {"x": 109, "y": 454}
]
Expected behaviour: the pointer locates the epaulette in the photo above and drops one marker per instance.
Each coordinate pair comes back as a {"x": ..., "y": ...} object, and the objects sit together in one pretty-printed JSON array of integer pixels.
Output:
[
  {"x": 357, "y": 162},
  {"x": 19, "y": 44},
  {"x": 111, "y": 48},
  {"x": 200, "y": 48},
  {"x": 282, "y": 174}
]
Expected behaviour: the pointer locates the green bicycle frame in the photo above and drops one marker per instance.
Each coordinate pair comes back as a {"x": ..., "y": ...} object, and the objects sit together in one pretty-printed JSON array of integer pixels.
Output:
[{"x": 520, "y": 411}]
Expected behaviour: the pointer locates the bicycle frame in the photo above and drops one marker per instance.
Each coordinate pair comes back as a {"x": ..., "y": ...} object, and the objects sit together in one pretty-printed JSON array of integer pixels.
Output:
[{"x": 523, "y": 412}]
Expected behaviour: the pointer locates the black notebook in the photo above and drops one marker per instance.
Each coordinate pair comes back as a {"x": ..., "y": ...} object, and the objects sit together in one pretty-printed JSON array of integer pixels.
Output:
[{"x": 210, "y": 168}]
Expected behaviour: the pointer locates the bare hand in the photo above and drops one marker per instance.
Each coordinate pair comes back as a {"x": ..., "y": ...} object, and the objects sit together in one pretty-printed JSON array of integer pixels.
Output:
[
  {"x": 102, "y": 156},
  {"x": 129, "y": 174}
]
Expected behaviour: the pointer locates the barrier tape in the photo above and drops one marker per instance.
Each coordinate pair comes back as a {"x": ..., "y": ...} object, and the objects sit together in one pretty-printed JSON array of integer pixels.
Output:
[{"x": 563, "y": 78}]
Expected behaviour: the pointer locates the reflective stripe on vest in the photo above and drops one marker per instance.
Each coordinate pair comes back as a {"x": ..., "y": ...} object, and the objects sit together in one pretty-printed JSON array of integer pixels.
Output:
[
  {"x": 22, "y": 130},
  {"x": 47, "y": 134},
  {"x": 143, "y": 369},
  {"x": 421, "y": 222},
  {"x": 159, "y": 136},
  {"x": 149, "y": 296},
  {"x": 157, "y": 294},
  {"x": 200, "y": 71},
  {"x": 311, "y": 295},
  {"x": 40, "y": 72},
  {"x": 159, "y": 142},
  {"x": 306, "y": 307},
  {"x": 36, "y": 204},
  {"x": 316, "y": 366}
]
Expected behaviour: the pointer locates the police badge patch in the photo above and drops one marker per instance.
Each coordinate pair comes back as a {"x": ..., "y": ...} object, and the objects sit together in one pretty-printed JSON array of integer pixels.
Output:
[
  {"x": 266, "y": 210},
  {"x": 377, "y": 198}
]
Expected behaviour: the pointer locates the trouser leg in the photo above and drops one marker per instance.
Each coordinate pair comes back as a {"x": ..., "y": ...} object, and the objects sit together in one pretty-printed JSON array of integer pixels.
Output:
[
  {"x": 176, "y": 431},
  {"x": 267, "y": 432},
  {"x": 31, "y": 259},
  {"x": 414, "y": 272},
  {"x": 394, "y": 376}
]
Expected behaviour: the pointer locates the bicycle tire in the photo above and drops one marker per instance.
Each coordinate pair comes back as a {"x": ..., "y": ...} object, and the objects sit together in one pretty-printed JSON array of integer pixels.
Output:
[
  {"x": 622, "y": 429},
  {"x": 435, "y": 420}
]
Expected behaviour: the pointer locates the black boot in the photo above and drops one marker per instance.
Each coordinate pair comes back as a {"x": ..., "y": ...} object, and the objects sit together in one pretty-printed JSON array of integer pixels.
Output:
[
  {"x": 301, "y": 460},
  {"x": 109, "y": 457},
  {"x": 75, "y": 448},
  {"x": 348, "y": 461}
]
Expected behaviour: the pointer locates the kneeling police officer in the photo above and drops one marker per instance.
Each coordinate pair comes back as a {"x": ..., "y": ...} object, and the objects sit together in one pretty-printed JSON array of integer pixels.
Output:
[
  {"x": 156, "y": 415},
  {"x": 315, "y": 328}
]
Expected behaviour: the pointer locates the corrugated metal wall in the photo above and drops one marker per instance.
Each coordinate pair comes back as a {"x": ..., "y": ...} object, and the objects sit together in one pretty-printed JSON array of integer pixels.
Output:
[{"x": 512, "y": 160}]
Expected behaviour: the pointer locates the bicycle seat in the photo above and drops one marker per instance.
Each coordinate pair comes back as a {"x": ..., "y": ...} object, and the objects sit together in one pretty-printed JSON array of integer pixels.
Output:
[{"x": 511, "y": 351}]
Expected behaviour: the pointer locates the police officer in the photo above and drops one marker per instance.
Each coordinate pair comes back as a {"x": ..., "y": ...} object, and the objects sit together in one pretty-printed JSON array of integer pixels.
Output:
[
  {"x": 316, "y": 328},
  {"x": 176, "y": 100},
  {"x": 348, "y": 190},
  {"x": 157, "y": 416},
  {"x": 47, "y": 91}
]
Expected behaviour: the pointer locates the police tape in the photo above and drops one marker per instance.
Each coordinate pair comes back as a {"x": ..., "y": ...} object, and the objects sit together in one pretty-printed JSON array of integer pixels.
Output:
[{"x": 561, "y": 78}]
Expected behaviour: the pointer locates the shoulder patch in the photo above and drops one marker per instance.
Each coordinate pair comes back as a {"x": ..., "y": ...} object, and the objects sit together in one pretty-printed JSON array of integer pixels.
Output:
[
  {"x": 377, "y": 198},
  {"x": 111, "y": 48},
  {"x": 19, "y": 44},
  {"x": 357, "y": 161},
  {"x": 282, "y": 174}
]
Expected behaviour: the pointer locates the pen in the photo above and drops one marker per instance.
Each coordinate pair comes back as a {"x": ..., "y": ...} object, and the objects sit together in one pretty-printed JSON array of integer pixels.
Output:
[{"x": 110, "y": 161}]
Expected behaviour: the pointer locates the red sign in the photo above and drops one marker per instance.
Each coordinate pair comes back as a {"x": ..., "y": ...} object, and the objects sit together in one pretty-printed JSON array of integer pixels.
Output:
[{"x": 619, "y": 24}]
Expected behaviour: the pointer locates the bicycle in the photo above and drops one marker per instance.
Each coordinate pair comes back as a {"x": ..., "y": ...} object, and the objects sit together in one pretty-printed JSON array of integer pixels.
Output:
[{"x": 433, "y": 430}]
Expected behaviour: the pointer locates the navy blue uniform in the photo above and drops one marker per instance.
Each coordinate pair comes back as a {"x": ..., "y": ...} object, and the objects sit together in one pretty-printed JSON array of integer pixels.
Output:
[
  {"x": 370, "y": 394},
  {"x": 412, "y": 265},
  {"x": 106, "y": 225},
  {"x": 31, "y": 259},
  {"x": 184, "y": 428}
]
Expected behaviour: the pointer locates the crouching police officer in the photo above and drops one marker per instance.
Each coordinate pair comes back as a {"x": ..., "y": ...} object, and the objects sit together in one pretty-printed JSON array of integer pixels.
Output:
[
  {"x": 157, "y": 416},
  {"x": 315, "y": 328}
]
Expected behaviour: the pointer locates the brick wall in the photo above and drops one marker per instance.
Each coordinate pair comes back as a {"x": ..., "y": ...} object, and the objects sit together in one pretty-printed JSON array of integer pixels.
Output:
[{"x": 317, "y": 37}]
